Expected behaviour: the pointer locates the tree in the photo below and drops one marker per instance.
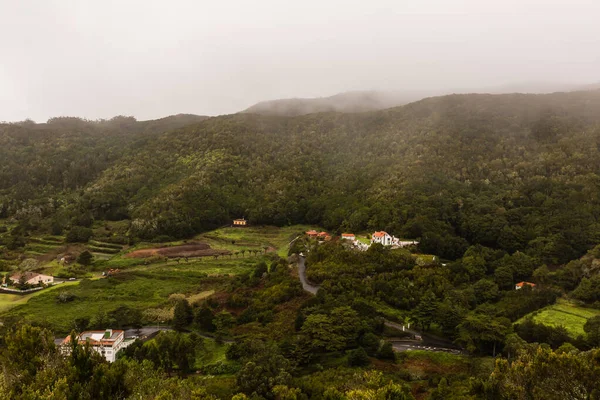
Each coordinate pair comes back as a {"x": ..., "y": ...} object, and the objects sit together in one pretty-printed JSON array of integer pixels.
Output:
[
  {"x": 358, "y": 358},
  {"x": 223, "y": 322},
  {"x": 205, "y": 318},
  {"x": 386, "y": 352},
  {"x": 182, "y": 315},
  {"x": 370, "y": 342},
  {"x": 424, "y": 313},
  {"x": 79, "y": 234},
  {"x": 485, "y": 290},
  {"x": 592, "y": 330},
  {"x": 478, "y": 331},
  {"x": 504, "y": 277},
  {"x": 332, "y": 332},
  {"x": 85, "y": 258},
  {"x": 544, "y": 374},
  {"x": 81, "y": 323},
  {"x": 263, "y": 371}
]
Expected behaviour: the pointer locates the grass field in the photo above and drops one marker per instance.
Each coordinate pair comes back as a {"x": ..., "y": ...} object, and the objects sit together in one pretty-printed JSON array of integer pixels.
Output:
[
  {"x": 253, "y": 238},
  {"x": 8, "y": 301},
  {"x": 145, "y": 286},
  {"x": 564, "y": 313},
  {"x": 141, "y": 287}
]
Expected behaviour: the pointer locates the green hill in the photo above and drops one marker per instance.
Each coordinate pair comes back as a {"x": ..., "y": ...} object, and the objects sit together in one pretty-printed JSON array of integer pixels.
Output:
[{"x": 515, "y": 172}]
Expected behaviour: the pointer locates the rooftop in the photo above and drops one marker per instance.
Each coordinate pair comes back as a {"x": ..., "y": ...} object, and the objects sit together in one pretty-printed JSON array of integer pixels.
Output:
[
  {"x": 521, "y": 284},
  {"x": 106, "y": 337}
]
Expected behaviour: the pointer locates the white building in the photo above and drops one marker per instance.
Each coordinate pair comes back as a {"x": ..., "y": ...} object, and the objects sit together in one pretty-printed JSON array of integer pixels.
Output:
[
  {"x": 382, "y": 237},
  {"x": 348, "y": 236},
  {"x": 107, "y": 343},
  {"x": 32, "y": 278}
]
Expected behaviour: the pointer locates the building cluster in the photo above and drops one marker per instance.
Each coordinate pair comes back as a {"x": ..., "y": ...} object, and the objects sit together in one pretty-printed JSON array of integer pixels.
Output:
[
  {"x": 323, "y": 236},
  {"x": 380, "y": 237}
]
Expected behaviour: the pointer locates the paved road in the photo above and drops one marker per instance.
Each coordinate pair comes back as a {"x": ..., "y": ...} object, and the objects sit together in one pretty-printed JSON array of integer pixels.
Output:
[
  {"x": 429, "y": 342},
  {"x": 302, "y": 273},
  {"x": 407, "y": 345},
  {"x": 401, "y": 327},
  {"x": 146, "y": 331}
]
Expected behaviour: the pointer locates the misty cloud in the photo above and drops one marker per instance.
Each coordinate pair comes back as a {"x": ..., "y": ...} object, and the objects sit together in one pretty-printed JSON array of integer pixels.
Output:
[{"x": 96, "y": 59}]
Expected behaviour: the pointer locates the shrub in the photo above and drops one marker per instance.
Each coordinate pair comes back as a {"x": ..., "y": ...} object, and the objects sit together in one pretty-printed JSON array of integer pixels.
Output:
[
  {"x": 85, "y": 258},
  {"x": 79, "y": 234},
  {"x": 358, "y": 358},
  {"x": 65, "y": 297},
  {"x": 386, "y": 352}
]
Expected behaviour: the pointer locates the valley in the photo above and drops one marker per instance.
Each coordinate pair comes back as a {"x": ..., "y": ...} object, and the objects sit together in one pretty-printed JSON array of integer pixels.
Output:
[{"x": 225, "y": 244}]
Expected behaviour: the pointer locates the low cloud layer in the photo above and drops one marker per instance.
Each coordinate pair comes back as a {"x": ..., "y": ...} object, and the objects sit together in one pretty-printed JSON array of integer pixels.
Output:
[{"x": 96, "y": 59}]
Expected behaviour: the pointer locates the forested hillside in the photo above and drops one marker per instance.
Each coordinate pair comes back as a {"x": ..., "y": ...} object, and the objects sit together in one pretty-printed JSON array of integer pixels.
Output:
[{"x": 513, "y": 172}]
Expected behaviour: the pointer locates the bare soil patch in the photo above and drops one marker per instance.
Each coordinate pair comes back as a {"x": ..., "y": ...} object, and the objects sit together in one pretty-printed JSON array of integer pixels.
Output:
[{"x": 197, "y": 249}]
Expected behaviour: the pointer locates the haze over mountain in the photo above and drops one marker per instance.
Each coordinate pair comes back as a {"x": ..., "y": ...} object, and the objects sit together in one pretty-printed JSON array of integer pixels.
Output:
[
  {"x": 156, "y": 58},
  {"x": 361, "y": 101}
]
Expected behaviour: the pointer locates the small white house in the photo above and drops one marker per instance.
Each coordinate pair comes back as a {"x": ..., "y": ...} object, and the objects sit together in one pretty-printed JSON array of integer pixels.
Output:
[
  {"x": 382, "y": 237},
  {"x": 348, "y": 236},
  {"x": 32, "y": 278}
]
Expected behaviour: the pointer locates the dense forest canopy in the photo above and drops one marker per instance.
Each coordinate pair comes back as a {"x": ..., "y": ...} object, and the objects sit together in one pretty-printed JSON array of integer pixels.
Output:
[{"x": 512, "y": 172}]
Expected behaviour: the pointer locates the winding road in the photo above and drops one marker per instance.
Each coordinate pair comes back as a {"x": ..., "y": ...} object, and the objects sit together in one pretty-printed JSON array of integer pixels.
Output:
[
  {"x": 428, "y": 342},
  {"x": 302, "y": 274}
]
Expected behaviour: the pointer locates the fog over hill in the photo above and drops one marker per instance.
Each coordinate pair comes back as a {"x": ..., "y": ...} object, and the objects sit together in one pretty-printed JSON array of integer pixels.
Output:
[{"x": 361, "y": 101}]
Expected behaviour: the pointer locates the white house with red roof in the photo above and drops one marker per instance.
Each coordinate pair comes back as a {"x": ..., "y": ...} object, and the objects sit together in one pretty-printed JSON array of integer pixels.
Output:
[
  {"x": 107, "y": 342},
  {"x": 348, "y": 236},
  {"x": 382, "y": 237},
  {"x": 521, "y": 285}
]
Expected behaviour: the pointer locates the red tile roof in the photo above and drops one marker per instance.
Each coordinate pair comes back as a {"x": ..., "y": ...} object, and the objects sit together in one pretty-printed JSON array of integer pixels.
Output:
[
  {"x": 521, "y": 284},
  {"x": 347, "y": 234},
  {"x": 379, "y": 234}
]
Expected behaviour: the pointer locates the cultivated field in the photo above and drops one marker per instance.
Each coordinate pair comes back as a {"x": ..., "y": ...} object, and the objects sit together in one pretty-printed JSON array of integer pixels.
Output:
[
  {"x": 196, "y": 249},
  {"x": 564, "y": 313},
  {"x": 146, "y": 283}
]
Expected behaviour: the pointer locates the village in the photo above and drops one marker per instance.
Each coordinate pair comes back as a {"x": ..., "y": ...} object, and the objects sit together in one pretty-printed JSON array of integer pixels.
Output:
[{"x": 381, "y": 237}]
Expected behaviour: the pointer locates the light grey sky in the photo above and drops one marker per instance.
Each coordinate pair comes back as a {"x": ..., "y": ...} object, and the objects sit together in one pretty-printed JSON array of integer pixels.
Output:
[{"x": 96, "y": 59}]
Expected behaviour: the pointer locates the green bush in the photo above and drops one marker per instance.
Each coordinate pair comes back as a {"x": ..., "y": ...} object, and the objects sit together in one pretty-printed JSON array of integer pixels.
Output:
[
  {"x": 79, "y": 234},
  {"x": 358, "y": 358}
]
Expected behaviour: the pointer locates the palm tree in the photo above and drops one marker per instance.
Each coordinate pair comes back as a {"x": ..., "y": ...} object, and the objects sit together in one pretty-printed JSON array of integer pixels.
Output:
[{"x": 243, "y": 252}]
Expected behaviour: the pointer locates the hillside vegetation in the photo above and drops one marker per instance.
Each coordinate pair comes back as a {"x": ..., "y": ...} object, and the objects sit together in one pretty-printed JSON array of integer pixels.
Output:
[{"x": 512, "y": 172}]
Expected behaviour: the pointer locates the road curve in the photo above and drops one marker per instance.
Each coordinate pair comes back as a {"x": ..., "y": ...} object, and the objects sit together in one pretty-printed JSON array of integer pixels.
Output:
[
  {"x": 428, "y": 343},
  {"x": 302, "y": 274}
]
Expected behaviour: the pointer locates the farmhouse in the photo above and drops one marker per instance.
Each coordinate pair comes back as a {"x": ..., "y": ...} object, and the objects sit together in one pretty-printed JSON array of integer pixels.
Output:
[
  {"x": 521, "y": 285},
  {"x": 32, "y": 278},
  {"x": 312, "y": 233},
  {"x": 107, "y": 343},
  {"x": 348, "y": 236},
  {"x": 382, "y": 237},
  {"x": 240, "y": 222}
]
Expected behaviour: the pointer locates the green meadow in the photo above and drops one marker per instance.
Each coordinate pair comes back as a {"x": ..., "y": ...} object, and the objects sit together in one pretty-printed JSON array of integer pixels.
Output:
[{"x": 564, "y": 313}]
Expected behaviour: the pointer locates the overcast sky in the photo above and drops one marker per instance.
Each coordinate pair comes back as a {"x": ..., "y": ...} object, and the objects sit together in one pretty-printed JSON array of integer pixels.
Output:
[{"x": 97, "y": 59}]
